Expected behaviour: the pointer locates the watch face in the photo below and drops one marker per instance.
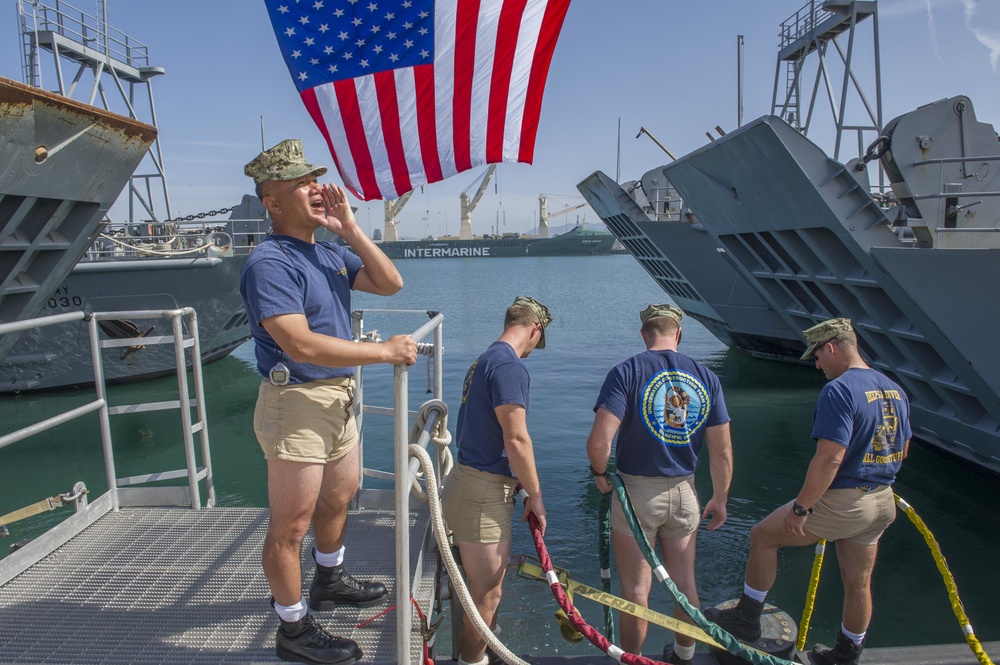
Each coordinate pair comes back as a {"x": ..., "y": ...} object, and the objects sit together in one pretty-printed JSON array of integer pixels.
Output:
[{"x": 280, "y": 375}]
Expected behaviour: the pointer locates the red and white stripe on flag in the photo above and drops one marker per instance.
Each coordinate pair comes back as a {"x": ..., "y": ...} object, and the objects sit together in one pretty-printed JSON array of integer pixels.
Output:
[{"x": 478, "y": 103}]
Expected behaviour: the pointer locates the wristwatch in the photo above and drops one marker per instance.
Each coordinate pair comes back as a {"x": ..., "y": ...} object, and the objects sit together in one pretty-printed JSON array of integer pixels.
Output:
[
  {"x": 799, "y": 510},
  {"x": 603, "y": 474}
]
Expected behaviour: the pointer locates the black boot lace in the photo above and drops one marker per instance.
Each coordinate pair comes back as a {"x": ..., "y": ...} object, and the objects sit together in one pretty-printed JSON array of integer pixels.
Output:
[
  {"x": 348, "y": 580},
  {"x": 318, "y": 635}
]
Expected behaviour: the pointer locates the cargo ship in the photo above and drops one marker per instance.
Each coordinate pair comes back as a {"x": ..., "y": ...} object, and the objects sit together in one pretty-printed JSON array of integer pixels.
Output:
[{"x": 578, "y": 241}]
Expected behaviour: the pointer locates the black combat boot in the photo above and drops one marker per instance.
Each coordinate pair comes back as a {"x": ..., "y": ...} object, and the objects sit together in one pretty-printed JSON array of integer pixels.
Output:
[
  {"x": 305, "y": 641},
  {"x": 845, "y": 652},
  {"x": 742, "y": 621},
  {"x": 332, "y": 586}
]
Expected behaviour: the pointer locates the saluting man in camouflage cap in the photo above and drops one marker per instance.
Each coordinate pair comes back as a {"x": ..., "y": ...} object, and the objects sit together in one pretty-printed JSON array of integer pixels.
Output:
[
  {"x": 664, "y": 406},
  {"x": 862, "y": 433},
  {"x": 494, "y": 454},
  {"x": 297, "y": 294}
]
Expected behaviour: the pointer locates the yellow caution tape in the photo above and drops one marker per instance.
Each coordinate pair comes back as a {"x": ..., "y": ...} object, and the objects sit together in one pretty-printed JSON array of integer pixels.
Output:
[{"x": 532, "y": 571}]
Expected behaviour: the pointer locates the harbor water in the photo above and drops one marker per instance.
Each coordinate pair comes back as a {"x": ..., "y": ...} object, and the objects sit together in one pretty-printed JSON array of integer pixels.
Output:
[{"x": 595, "y": 302}]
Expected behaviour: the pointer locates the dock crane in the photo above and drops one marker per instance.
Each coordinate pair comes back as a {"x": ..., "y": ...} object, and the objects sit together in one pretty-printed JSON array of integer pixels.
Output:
[
  {"x": 392, "y": 208},
  {"x": 544, "y": 215},
  {"x": 468, "y": 205}
]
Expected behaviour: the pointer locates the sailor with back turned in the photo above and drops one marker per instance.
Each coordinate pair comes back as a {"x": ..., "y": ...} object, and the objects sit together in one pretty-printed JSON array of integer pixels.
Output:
[{"x": 664, "y": 406}]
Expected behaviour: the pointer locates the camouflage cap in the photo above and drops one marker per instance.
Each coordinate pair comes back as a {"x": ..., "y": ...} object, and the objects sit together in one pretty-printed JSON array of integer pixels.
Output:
[
  {"x": 821, "y": 333},
  {"x": 540, "y": 310},
  {"x": 653, "y": 311},
  {"x": 284, "y": 161}
]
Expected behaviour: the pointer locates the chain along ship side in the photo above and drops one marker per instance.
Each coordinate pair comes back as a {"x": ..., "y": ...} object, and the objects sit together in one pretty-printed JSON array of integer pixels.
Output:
[
  {"x": 918, "y": 277},
  {"x": 578, "y": 241}
]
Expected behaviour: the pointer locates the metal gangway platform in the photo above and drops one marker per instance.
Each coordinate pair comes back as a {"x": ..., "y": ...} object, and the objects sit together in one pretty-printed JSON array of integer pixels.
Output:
[{"x": 160, "y": 574}]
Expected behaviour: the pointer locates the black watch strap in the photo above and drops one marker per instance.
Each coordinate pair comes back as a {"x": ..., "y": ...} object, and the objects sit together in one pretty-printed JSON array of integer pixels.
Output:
[
  {"x": 799, "y": 510},
  {"x": 594, "y": 472}
]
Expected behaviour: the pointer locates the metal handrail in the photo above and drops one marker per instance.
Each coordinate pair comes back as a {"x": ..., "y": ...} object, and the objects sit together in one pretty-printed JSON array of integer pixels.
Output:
[
  {"x": 405, "y": 472},
  {"x": 68, "y": 21},
  {"x": 101, "y": 406}
]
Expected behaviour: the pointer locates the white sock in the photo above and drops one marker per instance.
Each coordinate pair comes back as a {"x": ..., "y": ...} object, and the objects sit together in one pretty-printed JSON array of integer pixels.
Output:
[
  {"x": 684, "y": 652},
  {"x": 292, "y": 612},
  {"x": 857, "y": 638},
  {"x": 330, "y": 560},
  {"x": 759, "y": 596}
]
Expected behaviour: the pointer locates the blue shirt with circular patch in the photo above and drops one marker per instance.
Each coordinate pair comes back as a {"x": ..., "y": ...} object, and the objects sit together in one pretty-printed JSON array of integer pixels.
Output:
[{"x": 665, "y": 401}]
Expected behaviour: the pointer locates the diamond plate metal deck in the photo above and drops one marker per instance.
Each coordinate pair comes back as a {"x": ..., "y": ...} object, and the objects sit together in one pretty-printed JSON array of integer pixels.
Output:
[{"x": 168, "y": 585}]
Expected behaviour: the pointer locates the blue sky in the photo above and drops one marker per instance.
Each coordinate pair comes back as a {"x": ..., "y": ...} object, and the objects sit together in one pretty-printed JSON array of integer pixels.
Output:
[{"x": 667, "y": 65}]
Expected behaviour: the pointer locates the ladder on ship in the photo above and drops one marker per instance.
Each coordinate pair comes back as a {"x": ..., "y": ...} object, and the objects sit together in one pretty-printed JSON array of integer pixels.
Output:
[
  {"x": 812, "y": 30},
  {"x": 84, "y": 41}
]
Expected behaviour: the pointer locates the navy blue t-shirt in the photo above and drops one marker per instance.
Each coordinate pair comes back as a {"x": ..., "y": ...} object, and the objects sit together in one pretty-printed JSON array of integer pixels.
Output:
[
  {"x": 288, "y": 276},
  {"x": 498, "y": 377},
  {"x": 665, "y": 401},
  {"x": 864, "y": 411}
]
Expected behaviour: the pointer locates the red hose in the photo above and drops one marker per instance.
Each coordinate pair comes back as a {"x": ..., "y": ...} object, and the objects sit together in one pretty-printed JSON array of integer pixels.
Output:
[{"x": 588, "y": 631}]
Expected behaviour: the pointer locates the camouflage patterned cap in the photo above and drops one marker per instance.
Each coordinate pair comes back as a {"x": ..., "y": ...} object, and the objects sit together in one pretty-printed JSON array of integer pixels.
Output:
[
  {"x": 653, "y": 311},
  {"x": 540, "y": 310},
  {"x": 821, "y": 333},
  {"x": 284, "y": 161}
]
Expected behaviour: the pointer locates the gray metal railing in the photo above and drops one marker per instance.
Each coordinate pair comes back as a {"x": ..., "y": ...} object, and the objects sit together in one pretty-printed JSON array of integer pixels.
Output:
[
  {"x": 405, "y": 469},
  {"x": 194, "y": 473},
  {"x": 66, "y": 20}
]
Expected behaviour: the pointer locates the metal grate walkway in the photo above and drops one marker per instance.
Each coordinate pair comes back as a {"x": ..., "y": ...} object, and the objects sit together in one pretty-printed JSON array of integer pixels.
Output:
[{"x": 168, "y": 585}]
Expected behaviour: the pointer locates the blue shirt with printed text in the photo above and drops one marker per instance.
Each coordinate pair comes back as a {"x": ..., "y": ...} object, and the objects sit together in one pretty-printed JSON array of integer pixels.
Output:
[
  {"x": 867, "y": 413},
  {"x": 288, "y": 276},
  {"x": 665, "y": 401},
  {"x": 496, "y": 378}
]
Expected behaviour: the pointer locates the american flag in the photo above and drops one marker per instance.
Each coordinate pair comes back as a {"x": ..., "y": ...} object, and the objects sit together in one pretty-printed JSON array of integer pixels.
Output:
[{"x": 414, "y": 91}]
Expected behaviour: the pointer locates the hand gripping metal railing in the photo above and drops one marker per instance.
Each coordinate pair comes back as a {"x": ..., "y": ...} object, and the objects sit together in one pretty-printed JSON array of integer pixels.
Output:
[
  {"x": 121, "y": 490},
  {"x": 405, "y": 469}
]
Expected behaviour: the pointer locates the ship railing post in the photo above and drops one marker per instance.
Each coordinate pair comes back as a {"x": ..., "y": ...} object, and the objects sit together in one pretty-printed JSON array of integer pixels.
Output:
[
  {"x": 104, "y": 414},
  {"x": 357, "y": 330},
  {"x": 185, "y": 404},
  {"x": 400, "y": 439},
  {"x": 199, "y": 395}
]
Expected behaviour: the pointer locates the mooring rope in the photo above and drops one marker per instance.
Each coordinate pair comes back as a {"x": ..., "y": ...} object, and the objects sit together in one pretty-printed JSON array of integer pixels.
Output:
[
  {"x": 949, "y": 581},
  {"x": 807, "y": 611},
  {"x": 444, "y": 547},
  {"x": 604, "y": 554}
]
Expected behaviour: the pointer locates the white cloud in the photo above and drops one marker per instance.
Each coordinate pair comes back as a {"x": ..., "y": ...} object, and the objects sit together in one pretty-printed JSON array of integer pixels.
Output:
[
  {"x": 988, "y": 38},
  {"x": 932, "y": 29}
]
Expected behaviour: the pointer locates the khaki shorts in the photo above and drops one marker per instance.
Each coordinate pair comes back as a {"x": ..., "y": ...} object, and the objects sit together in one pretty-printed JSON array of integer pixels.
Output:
[
  {"x": 666, "y": 507},
  {"x": 306, "y": 422},
  {"x": 852, "y": 514},
  {"x": 478, "y": 505}
]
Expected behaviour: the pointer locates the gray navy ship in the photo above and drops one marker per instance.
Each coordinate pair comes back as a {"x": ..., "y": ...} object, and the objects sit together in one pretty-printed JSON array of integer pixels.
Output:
[{"x": 761, "y": 234}]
